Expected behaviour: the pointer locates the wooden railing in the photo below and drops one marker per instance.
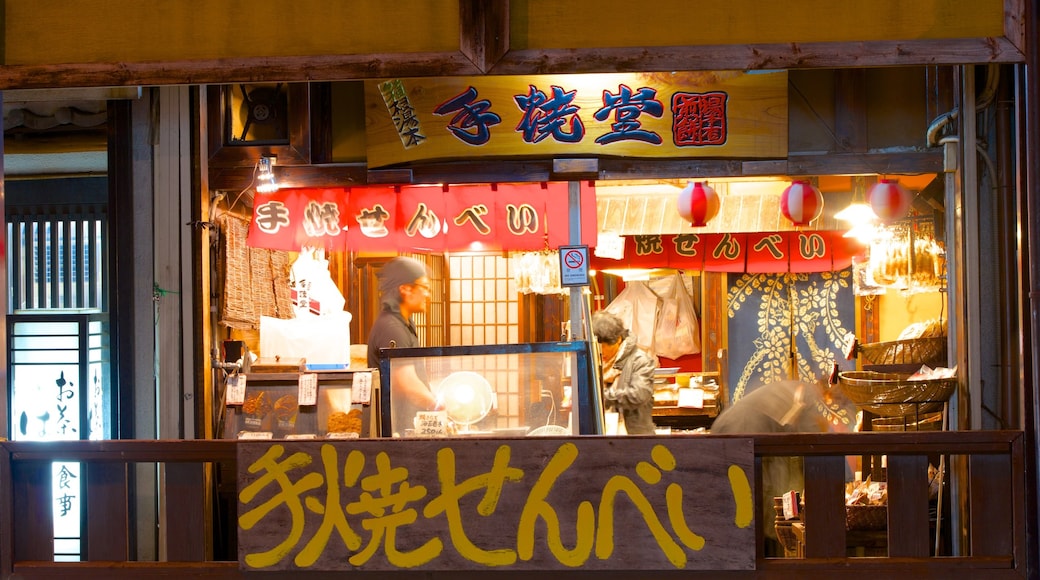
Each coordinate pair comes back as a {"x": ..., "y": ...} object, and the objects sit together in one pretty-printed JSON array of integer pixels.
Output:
[{"x": 994, "y": 499}]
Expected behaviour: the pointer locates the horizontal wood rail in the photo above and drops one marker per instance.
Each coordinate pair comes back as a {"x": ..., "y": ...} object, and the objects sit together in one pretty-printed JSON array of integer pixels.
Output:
[{"x": 995, "y": 494}]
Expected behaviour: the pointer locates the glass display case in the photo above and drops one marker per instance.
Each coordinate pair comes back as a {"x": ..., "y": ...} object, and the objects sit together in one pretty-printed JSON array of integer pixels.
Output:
[
  {"x": 271, "y": 409},
  {"x": 506, "y": 390}
]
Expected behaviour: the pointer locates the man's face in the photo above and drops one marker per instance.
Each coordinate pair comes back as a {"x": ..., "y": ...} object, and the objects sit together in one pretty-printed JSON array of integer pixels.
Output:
[{"x": 415, "y": 296}]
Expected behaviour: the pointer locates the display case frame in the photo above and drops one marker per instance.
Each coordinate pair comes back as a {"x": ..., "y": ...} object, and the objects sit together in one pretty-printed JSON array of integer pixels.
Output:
[
  {"x": 333, "y": 394},
  {"x": 586, "y": 406}
]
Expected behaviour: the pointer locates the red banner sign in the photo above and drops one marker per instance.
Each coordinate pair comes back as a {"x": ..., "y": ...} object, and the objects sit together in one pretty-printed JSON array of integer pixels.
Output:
[
  {"x": 527, "y": 216},
  {"x": 760, "y": 252}
]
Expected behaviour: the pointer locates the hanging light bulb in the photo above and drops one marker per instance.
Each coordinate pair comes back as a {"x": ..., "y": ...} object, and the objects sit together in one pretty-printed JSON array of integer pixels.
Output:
[
  {"x": 865, "y": 232},
  {"x": 801, "y": 203},
  {"x": 889, "y": 200},
  {"x": 265, "y": 182},
  {"x": 856, "y": 213},
  {"x": 698, "y": 203}
]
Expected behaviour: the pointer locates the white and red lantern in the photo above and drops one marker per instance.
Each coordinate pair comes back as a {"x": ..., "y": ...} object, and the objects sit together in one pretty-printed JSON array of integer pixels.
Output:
[
  {"x": 698, "y": 203},
  {"x": 801, "y": 203},
  {"x": 889, "y": 200}
]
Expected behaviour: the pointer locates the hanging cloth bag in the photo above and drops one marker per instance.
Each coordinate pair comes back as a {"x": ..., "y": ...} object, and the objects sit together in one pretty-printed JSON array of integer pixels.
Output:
[
  {"x": 678, "y": 329},
  {"x": 636, "y": 306}
]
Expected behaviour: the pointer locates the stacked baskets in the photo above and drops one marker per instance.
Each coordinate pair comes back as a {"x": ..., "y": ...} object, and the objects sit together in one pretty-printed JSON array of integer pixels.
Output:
[
  {"x": 918, "y": 351},
  {"x": 893, "y": 394}
]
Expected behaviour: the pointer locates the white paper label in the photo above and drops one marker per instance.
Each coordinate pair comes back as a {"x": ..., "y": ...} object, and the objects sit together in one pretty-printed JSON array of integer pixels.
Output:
[
  {"x": 308, "y": 389},
  {"x": 431, "y": 424},
  {"x": 691, "y": 398},
  {"x": 235, "y": 393},
  {"x": 255, "y": 435},
  {"x": 299, "y": 436},
  {"x": 343, "y": 435},
  {"x": 361, "y": 389}
]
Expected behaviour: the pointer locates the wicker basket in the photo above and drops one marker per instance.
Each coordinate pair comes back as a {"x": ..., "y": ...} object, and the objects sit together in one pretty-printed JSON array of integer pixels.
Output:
[
  {"x": 866, "y": 517},
  {"x": 893, "y": 395},
  {"x": 926, "y": 422},
  {"x": 920, "y": 351}
]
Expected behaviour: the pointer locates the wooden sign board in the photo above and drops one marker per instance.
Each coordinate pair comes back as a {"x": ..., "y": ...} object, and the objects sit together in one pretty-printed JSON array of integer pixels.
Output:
[
  {"x": 684, "y": 114},
  {"x": 637, "y": 503}
]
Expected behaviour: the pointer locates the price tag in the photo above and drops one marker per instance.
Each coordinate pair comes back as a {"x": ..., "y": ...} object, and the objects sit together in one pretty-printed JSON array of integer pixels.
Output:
[
  {"x": 361, "y": 389},
  {"x": 246, "y": 435},
  {"x": 300, "y": 436},
  {"x": 431, "y": 424},
  {"x": 340, "y": 435},
  {"x": 308, "y": 389},
  {"x": 235, "y": 393}
]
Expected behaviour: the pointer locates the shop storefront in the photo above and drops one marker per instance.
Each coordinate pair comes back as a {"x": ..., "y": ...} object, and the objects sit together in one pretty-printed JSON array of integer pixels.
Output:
[{"x": 532, "y": 195}]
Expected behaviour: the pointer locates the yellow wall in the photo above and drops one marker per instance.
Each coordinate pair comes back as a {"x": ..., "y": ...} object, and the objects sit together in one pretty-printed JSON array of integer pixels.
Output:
[
  {"x": 41, "y": 32},
  {"x": 898, "y": 311},
  {"x": 549, "y": 24},
  {"x": 95, "y": 31}
]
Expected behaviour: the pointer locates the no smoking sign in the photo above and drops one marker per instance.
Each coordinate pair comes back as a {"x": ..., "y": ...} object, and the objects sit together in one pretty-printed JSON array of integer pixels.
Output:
[{"x": 574, "y": 265}]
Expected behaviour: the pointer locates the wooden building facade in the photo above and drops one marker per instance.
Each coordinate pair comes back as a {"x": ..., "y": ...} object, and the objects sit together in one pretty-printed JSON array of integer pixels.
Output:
[{"x": 885, "y": 88}]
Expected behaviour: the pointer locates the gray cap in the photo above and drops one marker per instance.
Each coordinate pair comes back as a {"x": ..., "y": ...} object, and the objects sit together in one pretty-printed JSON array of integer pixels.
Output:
[{"x": 397, "y": 273}]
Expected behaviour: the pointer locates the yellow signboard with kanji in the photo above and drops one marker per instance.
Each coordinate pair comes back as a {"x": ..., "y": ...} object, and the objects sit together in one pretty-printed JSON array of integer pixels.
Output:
[
  {"x": 524, "y": 504},
  {"x": 684, "y": 114}
]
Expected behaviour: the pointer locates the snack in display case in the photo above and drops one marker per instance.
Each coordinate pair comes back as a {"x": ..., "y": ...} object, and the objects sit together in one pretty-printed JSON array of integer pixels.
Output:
[
  {"x": 256, "y": 411},
  {"x": 507, "y": 390},
  {"x": 286, "y": 409},
  {"x": 345, "y": 423},
  {"x": 337, "y": 416},
  {"x": 271, "y": 409}
]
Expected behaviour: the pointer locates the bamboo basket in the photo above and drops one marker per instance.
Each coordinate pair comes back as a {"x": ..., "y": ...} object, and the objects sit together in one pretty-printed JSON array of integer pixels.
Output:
[
  {"x": 925, "y": 422},
  {"x": 866, "y": 517},
  {"x": 893, "y": 395},
  {"x": 921, "y": 351}
]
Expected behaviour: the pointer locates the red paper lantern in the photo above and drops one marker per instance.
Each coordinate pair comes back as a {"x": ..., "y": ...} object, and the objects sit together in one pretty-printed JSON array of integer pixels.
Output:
[
  {"x": 698, "y": 203},
  {"x": 889, "y": 200},
  {"x": 801, "y": 203}
]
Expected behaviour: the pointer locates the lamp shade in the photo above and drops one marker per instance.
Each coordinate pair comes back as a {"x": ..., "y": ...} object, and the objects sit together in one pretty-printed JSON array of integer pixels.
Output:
[
  {"x": 698, "y": 203},
  {"x": 801, "y": 203},
  {"x": 889, "y": 200}
]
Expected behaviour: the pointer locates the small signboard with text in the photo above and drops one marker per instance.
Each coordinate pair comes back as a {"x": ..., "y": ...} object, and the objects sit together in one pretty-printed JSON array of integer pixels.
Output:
[
  {"x": 504, "y": 216},
  {"x": 676, "y": 114}
]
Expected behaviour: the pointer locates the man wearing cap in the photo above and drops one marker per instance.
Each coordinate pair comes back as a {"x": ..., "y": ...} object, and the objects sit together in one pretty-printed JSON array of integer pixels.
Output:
[{"x": 404, "y": 290}]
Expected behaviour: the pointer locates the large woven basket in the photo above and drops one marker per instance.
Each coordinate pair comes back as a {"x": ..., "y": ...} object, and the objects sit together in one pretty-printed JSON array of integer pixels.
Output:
[
  {"x": 924, "y": 422},
  {"x": 893, "y": 395},
  {"x": 920, "y": 351},
  {"x": 866, "y": 517}
]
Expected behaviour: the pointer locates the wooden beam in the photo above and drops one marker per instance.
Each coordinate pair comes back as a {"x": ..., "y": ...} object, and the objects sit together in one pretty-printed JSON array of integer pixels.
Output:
[
  {"x": 332, "y": 175},
  {"x": 888, "y": 163},
  {"x": 515, "y": 62},
  {"x": 107, "y": 511},
  {"x": 232, "y": 70},
  {"x": 759, "y": 56},
  {"x": 850, "y": 109},
  {"x": 490, "y": 171},
  {"x": 484, "y": 31}
]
